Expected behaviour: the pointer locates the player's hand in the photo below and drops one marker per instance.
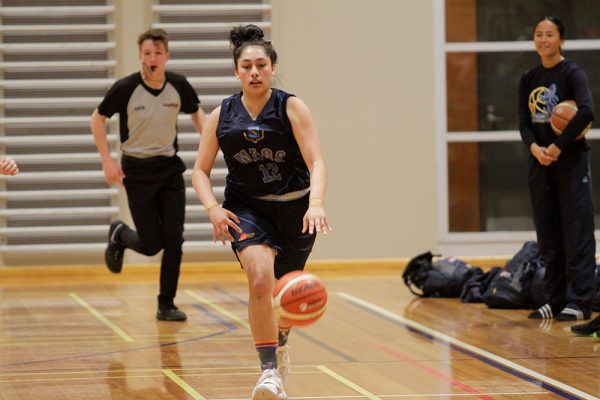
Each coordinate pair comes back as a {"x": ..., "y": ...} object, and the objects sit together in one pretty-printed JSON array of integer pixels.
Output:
[
  {"x": 8, "y": 166},
  {"x": 553, "y": 151},
  {"x": 113, "y": 172},
  {"x": 315, "y": 220},
  {"x": 542, "y": 155},
  {"x": 223, "y": 219}
]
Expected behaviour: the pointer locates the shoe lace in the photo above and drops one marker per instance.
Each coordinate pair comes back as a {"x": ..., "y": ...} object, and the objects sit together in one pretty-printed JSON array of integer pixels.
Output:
[
  {"x": 270, "y": 376},
  {"x": 284, "y": 353},
  {"x": 283, "y": 359}
]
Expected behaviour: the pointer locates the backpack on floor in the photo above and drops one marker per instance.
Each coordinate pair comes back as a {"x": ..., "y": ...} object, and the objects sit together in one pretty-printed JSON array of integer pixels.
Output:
[
  {"x": 475, "y": 287},
  {"x": 512, "y": 285},
  {"x": 442, "y": 278}
]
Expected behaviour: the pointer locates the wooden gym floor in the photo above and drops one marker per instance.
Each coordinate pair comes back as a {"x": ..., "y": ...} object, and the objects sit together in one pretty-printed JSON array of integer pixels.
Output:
[{"x": 82, "y": 333}]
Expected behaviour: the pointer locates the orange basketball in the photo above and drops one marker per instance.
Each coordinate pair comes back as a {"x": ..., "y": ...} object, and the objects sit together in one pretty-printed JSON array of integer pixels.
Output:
[
  {"x": 300, "y": 298},
  {"x": 562, "y": 114}
]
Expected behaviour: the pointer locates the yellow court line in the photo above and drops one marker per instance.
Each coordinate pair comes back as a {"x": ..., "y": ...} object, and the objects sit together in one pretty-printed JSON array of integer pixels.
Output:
[
  {"x": 218, "y": 308},
  {"x": 348, "y": 383},
  {"x": 74, "y": 378},
  {"x": 132, "y": 372},
  {"x": 101, "y": 317},
  {"x": 182, "y": 384},
  {"x": 92, "y": 340},
  {"x": 91, "y": 374}
]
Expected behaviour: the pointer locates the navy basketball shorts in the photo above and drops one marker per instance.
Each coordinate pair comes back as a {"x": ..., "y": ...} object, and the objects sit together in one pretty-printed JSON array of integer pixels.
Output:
[{"x": 277, "y": 224}]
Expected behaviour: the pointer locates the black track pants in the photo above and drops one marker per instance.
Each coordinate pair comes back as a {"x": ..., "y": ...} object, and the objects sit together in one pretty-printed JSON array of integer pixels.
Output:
[
  {"x": 156, "y": 195},
  {"x": 561, "y": 196}
]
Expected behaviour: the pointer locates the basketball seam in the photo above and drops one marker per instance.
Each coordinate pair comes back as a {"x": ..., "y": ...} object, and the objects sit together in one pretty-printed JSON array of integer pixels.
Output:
[
  {"x": 283, "y": 313},
  {"x": 291, "y": 282}
]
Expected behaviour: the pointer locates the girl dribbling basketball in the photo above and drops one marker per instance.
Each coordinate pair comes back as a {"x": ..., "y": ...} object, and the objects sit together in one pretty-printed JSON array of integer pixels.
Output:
[{"x": 274, "y": 194}]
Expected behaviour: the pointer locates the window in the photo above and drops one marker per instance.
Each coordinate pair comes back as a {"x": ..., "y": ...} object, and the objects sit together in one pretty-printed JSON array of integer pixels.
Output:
[{"x": 485, "y": 47}]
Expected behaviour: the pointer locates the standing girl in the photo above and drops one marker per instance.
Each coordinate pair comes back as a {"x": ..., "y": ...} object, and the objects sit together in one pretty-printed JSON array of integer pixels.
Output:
[
  {"x": 274, "y": 195},
  {"x": 560, "y": 183}
]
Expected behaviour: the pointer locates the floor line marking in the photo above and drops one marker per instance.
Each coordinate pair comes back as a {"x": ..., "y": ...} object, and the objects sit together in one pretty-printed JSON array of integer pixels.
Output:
[
  {"x": 382, "y": 396},
  {"x": 400, "y": 396},
  {"x": 120, "y": 351},
  {"x": 433, "y": 372},
  {"x": 101, "y": 317},
  {"x": 480, "y": 353},
  {"x": 182, "y": 384},
  {"x": 218, "y": 308},
  {"x": 75, "y": 379},
  {"x": 348, "y": 383}
]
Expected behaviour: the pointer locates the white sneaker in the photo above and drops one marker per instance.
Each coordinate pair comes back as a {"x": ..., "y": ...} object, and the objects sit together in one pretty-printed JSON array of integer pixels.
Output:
[
  {"x": 269, "y": 386},
  {"x": 284, "y": 365}
]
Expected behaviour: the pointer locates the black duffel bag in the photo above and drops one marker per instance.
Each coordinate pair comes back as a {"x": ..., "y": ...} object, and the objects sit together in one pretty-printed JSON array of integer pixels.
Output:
[{"x": 441, "y": 278}]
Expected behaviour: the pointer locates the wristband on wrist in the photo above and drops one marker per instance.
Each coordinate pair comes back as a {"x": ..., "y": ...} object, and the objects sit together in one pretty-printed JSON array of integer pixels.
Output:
[
  {"x": 316, "y": 202},
  {"x": 210, "y": 205}
]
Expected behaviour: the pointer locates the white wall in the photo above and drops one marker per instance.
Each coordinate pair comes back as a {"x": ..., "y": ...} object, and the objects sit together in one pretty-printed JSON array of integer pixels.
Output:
[{"x": 365, "y": 68}]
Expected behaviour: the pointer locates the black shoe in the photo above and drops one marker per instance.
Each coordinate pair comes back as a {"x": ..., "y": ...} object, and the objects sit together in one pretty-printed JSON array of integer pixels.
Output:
[
  {"x": 572, "y": 312},
  {"x": 587, "y": 329},
  {"x": 170, "y": 314},
  {"x": 113, "y": 255},
  {"x": 544, "y": 312}
]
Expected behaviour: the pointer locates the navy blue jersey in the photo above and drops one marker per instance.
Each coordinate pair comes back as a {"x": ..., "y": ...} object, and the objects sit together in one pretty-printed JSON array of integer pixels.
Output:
[
  {"x": 540, "y": 90},
  {"x": 262, "y": 155}
]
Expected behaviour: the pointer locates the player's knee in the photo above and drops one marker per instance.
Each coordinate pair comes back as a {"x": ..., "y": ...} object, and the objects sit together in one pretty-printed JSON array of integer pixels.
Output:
[
  {"x": 151, "y": 246},
  {"x": 151, "y": 250},
  {"x": 261, "y": 287}
]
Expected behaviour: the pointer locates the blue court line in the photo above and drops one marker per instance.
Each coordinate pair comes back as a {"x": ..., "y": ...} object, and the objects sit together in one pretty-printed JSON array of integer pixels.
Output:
[
  {"x": 216, "y": 316},
  {"x": 324, "y": 345},
  {"x": 106, "y": 353},
  {"x": 298, "y": 332},
  {"x": 229, "y": 327},
  {"x": 493, "y": 363}
]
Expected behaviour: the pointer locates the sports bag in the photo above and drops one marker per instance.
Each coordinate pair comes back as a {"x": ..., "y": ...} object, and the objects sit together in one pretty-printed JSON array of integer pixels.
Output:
[
  {"x": 511, "y": 287},
  {"x": 442, "y": 278},
  {"x": 475, "y": 287}
]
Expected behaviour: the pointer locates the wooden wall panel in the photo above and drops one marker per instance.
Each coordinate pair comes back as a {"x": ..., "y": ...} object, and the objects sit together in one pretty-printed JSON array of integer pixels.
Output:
[{"x": 462, "y": 106}]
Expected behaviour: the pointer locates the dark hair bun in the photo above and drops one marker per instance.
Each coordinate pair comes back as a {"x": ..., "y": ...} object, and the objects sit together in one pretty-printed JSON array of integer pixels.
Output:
[{"x": 243, "y": 34}]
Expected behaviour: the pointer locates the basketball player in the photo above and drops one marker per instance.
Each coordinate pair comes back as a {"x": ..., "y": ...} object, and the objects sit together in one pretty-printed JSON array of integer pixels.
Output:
[
  {"x": 148, "y": 103},
  {"x": 559, "y": 176},
  {"x": 8, "y": 166},
  {"x": 274, "y": 192}
]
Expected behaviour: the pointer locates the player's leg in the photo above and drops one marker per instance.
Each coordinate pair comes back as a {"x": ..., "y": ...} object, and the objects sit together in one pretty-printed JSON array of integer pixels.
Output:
[
  {"x": 257, "y": 261},
  {"x": 296, "y": 247},
  {"x": 544, "y": 201},
  {"x": 142, "y": 184},
  {"x": 577, "y": 215},
  {"x": 143, "y": 209}
]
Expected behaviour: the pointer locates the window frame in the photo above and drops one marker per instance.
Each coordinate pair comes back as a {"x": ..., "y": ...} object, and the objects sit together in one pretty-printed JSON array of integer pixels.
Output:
[{"x": 476, "y": 243}]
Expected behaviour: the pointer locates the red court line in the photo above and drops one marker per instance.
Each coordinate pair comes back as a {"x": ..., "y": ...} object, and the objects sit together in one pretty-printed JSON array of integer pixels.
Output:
[{"x": 455, "y": 383}]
